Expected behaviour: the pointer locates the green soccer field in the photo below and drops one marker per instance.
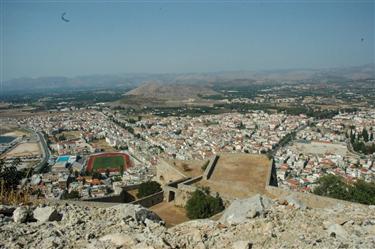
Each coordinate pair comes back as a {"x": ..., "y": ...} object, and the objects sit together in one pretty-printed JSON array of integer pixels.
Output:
[{"x": 103, "y": 163}]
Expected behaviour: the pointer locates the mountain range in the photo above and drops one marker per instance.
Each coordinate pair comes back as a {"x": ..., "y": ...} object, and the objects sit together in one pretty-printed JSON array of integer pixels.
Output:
[{"x": 132, "y": 80}]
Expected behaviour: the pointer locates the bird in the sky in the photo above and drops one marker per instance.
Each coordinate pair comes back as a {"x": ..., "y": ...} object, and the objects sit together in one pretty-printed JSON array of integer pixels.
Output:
[{"x": 63, "y": 17}]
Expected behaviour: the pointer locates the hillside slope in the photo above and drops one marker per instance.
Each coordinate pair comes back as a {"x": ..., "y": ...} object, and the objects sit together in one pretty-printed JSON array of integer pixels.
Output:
[
  {"x": 170, "y": 91},
  {"x": 129, "y": 226}
]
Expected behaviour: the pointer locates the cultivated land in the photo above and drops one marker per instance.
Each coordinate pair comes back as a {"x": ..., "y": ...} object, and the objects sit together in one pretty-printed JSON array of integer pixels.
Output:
[{"x": 238, "y": 175}]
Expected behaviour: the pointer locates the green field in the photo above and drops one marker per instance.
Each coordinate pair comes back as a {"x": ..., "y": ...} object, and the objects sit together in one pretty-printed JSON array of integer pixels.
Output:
[{"x": 103, "y": 163}]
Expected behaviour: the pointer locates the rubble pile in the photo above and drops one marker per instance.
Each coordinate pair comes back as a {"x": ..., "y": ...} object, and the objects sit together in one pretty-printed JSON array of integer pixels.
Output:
[{"x": 256, "y": 222}]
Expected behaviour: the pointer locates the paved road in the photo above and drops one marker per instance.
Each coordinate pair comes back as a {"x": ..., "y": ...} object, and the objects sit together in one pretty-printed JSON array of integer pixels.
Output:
[
  {"x": 45, "y": 151},
  {"x": 273, "y": 152}
]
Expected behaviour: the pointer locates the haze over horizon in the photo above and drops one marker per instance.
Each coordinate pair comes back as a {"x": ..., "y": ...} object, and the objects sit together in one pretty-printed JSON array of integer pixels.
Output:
[{"x": 164, "y": 37}]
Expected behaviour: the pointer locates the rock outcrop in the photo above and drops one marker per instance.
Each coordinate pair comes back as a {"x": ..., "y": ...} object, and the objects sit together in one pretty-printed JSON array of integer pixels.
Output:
[
  {"x": 128, "y": 226},
  {"x": 21, "y": 214},
  {"x": 43, "y": 214},
  {"x": 240, "y": 210}
]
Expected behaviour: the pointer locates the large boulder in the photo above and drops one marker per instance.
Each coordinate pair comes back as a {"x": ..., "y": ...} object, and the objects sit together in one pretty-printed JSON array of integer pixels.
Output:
[
  {"x": 44, "y": 214},
  {"x": 136, "y": 212},
  {"x": 296, "y": 203},
  {"x": 21, "y": 214},
  {"x": 242, "y": 244},
  {"x": 240, "y": 210},
  {"x": 118, "y": 239},
  {"x": 337, "y": 231}
]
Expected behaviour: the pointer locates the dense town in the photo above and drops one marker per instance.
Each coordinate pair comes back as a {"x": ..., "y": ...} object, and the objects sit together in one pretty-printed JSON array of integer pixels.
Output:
[
  {"x": 325, "y": 148},
  {"x": 314, "y": 147}
]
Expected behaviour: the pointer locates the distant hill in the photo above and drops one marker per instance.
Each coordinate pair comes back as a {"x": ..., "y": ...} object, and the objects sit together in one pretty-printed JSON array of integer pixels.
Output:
[
  {"x": 194, "y": 81},
  {"x": 171, "y": 91}
]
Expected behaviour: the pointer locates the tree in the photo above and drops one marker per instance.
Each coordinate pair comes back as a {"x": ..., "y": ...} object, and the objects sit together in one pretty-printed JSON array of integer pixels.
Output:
[
  {"x": 107, "y": 173},
  {"x": 332, "y": 186},
  {"x": 97, "y": 175},
  {"x": 352, "y": 136},
  {"x": 62, "y": 137},
  {"x": 363, "y": 192},
  {"x": 365, "y": 135},
  {"x": 335, "y": 187},
  {"x": 148, "y": 188},
  {"x": 10, "y": 177},
  {"x": 74, "y": 194},
  {"x": 202, "y": 205}
]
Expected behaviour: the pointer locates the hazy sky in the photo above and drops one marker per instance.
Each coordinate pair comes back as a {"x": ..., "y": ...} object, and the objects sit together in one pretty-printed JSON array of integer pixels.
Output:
[{"x": 173, "y": 36}]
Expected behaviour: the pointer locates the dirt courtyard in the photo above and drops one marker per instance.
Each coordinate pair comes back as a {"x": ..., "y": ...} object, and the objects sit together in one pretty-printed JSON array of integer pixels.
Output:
[
  {"x": 238, "y": 175},
  {"x": 319, "y": 148},
  {"x": 171, "y": 214}
]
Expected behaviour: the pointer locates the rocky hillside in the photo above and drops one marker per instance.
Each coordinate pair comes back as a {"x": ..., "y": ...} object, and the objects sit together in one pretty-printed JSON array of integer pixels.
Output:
[{"x": 256, "y": 222}]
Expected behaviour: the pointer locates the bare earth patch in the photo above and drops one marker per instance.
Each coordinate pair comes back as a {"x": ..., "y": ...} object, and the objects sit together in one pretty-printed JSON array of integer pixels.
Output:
[
  {"x": 189, "y": 168},
  {"x": 25, "y": 149},
  {"x": 102, "y": 144}
]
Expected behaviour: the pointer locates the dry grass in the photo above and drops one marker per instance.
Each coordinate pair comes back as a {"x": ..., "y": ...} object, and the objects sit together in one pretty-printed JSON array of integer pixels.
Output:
[
  {"x": 102, "y": 144},
  {"x": 15, "y": 197},
  {"x": 191, "y": 168},
  {"x": 69, "y": 135},
  {"x": 171, "y": 214}
]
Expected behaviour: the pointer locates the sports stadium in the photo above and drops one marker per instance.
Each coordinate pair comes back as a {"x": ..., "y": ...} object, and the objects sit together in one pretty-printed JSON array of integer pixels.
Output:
[{"x": 114, "y": 162}]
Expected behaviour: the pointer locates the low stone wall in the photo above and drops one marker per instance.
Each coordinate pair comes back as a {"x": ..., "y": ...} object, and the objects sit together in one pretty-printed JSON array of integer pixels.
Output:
[
  {"x": 131, "y": 187},
  {"x": 121, "y": 198},
  {"x": 174, "y": 184},
  {"x": 191, "y": 181},
  {"x": 150, "y": 200},
  {"x": 311, "y": 200},
  {"x": 210, "y": 167},
  {"x": 82, "y": 203},
  {"x": 102, "y": 202}
]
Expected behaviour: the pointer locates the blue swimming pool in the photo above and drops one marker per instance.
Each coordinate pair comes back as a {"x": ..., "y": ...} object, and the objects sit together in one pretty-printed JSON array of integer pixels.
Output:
[{"x": 62, "y": 159}]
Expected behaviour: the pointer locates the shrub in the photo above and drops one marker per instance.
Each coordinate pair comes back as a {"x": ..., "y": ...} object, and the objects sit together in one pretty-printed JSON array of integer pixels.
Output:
[
  {"x": 148, "y": 188},
  {"x": 10, "y": 177},
  {"x": 202, "y": 205},
  {"x": 97, "y": 175},
  {"x": 74, "y": 194},
  {"x": 335, "y": 187}
]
